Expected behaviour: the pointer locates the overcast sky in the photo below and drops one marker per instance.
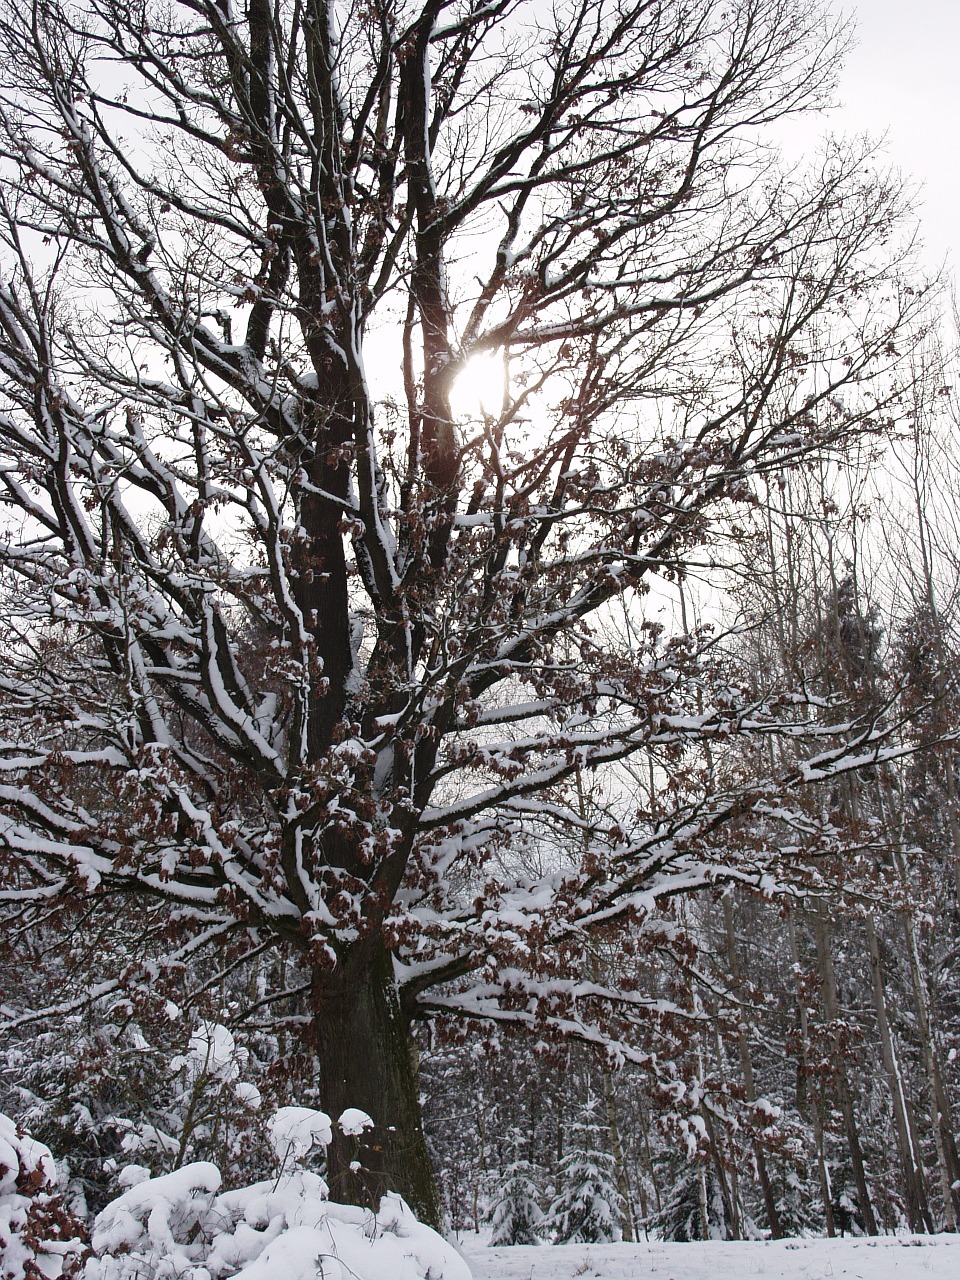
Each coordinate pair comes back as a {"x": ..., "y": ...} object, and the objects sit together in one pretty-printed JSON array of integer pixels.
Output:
[{"x": 902, "y": 80}]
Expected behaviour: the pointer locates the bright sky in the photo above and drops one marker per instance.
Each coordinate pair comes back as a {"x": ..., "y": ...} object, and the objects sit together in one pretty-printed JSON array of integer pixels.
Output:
[{"x": 902, "y": 80}]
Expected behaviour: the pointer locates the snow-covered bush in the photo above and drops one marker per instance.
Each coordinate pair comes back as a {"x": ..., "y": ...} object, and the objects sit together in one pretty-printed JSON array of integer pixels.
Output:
[
  {"x": 211, "y": 1112},
  {"x": 516, "y": 1216},
  {"x": 846, "y": 1213},
  {"x": 80, "y": 1087},
  {"x": 799, "y": 1208},
  {"x": 39, "y": 1238},
  {"x": 102, "y": 1091},
  {"x": 296, "y": 1131},
  {"x": 181, "y": 1225}
]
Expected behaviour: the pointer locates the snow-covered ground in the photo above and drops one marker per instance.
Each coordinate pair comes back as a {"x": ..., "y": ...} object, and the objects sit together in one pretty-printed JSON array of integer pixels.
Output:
[{"x": 885, "y": 1258}]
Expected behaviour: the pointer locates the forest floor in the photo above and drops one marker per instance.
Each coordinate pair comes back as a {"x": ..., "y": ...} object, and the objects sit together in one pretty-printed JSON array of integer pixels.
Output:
[{"x": 881, "y": 1258}]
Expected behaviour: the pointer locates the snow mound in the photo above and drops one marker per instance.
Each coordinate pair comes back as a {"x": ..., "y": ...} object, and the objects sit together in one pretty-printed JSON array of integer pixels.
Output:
[
  {"x": 38, "y": 1235},
  {"x": 181, "y": 1225},
  {"x": 155, "y": 1219}
]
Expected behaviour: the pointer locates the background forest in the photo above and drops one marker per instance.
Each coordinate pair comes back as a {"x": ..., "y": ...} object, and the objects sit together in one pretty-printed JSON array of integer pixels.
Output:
[{"x": 481, "y": 587}]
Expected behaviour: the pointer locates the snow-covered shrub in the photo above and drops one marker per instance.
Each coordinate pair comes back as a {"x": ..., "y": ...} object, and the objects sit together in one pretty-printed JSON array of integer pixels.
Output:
[
  {"x": 180, "y": 1225},
  {"x": 588, "y": 1205},
  {"x": 152, "y": 1090},
  {"x": 39, "y": 1238},
  {"x": 79, "y": 1089},
  {"x": 212, "y": 1110},
  {"x": 516, "y": 1216},
  {"x": 799, "y": 1209},
  {"x": 296, "y": 1131}
]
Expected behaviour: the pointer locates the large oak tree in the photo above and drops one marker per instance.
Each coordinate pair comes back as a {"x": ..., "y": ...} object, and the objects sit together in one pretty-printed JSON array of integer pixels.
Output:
[{"x": 293, "y": 650}]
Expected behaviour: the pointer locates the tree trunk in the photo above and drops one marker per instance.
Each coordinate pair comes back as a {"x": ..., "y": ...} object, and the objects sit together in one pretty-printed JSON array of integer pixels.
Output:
[
  {"x": 366, "y": 1060},
  {"x": 941, "y": 1116},
  {"x": 619, "y": 1164},
  {"x": 749, "y": 1083},
  {"x": 831, "y": 1008},
  {"x": 648, "y": 1168},
  {"x": 918, "y": 1210},
  {"x": 953, "y": 815},
  {"x": 805, "y": 1075}
]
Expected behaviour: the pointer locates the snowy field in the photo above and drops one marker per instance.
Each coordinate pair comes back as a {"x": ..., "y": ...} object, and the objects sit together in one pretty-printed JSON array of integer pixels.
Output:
[{"x": 885, "y": 1258}]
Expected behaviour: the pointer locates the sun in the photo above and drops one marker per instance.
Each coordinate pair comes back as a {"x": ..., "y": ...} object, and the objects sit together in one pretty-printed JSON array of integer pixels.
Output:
[{"x": 478, "y": 388}]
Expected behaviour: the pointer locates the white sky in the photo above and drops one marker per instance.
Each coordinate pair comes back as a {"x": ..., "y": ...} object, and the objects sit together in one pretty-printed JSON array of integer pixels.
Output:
[{"x": 903, "y": 81}]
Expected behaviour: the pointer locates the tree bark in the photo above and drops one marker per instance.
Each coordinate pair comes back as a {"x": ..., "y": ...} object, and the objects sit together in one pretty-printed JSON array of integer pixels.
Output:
[
  {"x": 366, "y": 1060},
  {"x": 619, "y": 1164}
]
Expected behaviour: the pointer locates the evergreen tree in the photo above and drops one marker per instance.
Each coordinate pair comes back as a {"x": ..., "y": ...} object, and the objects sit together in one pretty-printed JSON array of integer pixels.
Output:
[
  {"x": 696, "y": 1210},
  {"x": 588, "y": 1205},
  {"x": 517, "y": 1217}
]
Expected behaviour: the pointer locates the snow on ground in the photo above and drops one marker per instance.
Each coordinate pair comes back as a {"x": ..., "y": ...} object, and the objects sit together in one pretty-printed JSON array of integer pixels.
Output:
[{"x": 883, "y": 1258}]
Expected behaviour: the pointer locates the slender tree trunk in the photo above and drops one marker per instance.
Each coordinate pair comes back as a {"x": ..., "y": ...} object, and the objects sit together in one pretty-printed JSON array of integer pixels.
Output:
[
  {"x": 831, "y": 1008},
  {"x": 826, "y": 1188},
  {"x": 918, "y": 1209},
  {"x": 816, "y": 1117},
  {"x": 948, "y": 1159},
  {"x": 926, "y": 544},
  {"x": 749, "y": 1083},
  {"x": 619, "y": 1164},
  {"x": 730, "y": 1210},
  {"x": 648, "y": 1169},
  {"x": 733, "y": 1164},
  {"x": 941, "y": 1112},
  {"x": 609, "y": 1096},
  {"x": 704, "y": 1200},
  {"x": 366, "y": 1060},
  {"x": 953, "y": 816}
]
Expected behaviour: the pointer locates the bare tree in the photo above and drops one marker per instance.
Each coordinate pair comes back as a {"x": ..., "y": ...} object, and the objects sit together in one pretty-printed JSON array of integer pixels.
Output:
[{"x": 290, "y": 647}]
